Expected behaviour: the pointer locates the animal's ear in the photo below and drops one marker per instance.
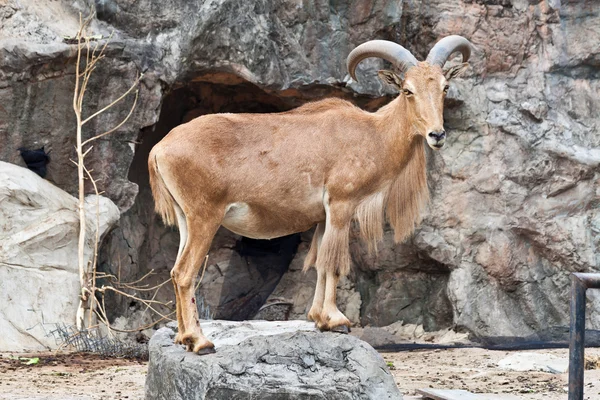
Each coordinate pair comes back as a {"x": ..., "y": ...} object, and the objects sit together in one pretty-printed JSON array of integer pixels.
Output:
[
  {"x": 390, "y": 78},
  {"x": 456, "y": 71}
]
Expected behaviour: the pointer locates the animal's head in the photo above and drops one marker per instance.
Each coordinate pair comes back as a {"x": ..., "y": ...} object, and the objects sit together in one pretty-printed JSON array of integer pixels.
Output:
[{"x": 423, "y": 84}]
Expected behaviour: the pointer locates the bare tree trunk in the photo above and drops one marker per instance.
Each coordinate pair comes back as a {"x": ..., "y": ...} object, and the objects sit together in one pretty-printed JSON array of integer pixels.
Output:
[
  {"x": 89, "y": 306},
  {"x": 80, "y": 177}
]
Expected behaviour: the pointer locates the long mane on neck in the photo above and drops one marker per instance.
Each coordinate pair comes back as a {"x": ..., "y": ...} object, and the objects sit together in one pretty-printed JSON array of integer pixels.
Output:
[
  {"x": 408, "y": 195},
  {"x": 402, "y": 201}
]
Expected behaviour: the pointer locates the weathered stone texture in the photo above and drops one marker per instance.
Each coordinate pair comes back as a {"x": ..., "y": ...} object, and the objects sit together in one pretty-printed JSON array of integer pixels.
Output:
[
  {"x": 514, "y": 193},
  {"x": 36, "y": 95},
  {"x": 39, "y": 274},
  {"x": 248, "y": 365}
]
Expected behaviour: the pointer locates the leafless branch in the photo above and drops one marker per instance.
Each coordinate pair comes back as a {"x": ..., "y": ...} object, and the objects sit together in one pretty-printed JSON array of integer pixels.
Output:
[{"x": 133, "y": 86}]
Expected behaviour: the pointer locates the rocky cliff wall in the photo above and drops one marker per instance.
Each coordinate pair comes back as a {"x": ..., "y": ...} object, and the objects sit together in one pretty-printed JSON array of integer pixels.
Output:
[{"x": 514, "y": 193}]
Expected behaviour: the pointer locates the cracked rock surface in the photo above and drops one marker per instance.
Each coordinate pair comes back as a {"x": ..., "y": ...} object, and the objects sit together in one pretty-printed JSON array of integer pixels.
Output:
[
  {"x": 284, "y": 366},
  {"x": 515, "y": 191},
  {"x": 39, "y": 274}
]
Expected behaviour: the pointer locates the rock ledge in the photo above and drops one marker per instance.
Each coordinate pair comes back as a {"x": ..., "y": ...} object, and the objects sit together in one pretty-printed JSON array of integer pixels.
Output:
[{"x": 285, "y": 366}]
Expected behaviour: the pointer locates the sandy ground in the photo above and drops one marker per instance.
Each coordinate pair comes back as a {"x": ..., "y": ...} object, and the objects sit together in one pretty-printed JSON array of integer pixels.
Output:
[
  {"x": 67, "y": 377},
  {"x": 476, "y": 370}
]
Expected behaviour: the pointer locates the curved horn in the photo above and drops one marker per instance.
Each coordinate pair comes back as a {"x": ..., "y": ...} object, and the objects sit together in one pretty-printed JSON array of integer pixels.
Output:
[
  {"x": 446, "y": 47},
  {"x": 390, "y": 51}
]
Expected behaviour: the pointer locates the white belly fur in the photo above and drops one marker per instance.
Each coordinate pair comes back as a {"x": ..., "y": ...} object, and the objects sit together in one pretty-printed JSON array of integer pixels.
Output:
[
  {"x": 240, "y": 219},
  {"x": 235, "y": 215}
]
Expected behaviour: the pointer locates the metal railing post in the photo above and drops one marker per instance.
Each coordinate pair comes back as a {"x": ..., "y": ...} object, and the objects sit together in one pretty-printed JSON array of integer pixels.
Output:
[
  {"x": 580, "y": 282},
  {"x": 577, "y": 339}
]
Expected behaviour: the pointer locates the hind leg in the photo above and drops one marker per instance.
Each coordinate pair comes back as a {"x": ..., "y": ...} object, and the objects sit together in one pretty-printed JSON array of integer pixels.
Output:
[
  {"x": 201, "y": 230},
  {"x": 183, "y": 236}
]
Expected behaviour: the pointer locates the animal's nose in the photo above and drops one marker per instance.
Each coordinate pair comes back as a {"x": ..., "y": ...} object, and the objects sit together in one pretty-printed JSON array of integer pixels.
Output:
[{"x": 437, "y": 135}]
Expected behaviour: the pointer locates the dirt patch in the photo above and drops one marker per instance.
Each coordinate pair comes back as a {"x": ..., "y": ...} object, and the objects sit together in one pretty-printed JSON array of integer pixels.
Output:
[
  {"x": 70, "y": 376},
  {"x": 91, "y": 377},
  {"x": 82, "y": 361},
  {"x": 476, "y": 370}
]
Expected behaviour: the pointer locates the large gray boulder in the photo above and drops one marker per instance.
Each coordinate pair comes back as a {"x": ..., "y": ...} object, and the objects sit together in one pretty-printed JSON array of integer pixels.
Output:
[
  {"x": 268, "y": 361},
  {"x": 39, "y": 274}
]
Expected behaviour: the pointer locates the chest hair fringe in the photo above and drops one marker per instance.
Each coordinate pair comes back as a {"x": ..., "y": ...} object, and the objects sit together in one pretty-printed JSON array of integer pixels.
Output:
[{"x": 402, "y": 202}]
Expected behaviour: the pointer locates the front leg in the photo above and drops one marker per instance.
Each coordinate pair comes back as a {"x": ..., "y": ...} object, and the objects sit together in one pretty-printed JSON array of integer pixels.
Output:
[
  {"x": 332, "y": 318},
  {"x": 333, "y": 261},
  {"x": 317, "y": 306}
]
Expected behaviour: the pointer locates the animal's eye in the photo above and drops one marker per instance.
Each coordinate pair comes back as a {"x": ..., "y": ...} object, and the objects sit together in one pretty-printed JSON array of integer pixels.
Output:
[
  {"x": 407, "y": 92},
  {"x": 446, "y": 88}
]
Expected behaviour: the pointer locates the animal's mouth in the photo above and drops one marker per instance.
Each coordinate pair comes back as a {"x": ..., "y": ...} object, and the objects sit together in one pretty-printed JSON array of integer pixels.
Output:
[{"x": 436, "y": 146}]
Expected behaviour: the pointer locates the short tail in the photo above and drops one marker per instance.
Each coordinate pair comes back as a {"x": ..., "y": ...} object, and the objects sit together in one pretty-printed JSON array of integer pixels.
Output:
[{"x": 164, "y": 203}]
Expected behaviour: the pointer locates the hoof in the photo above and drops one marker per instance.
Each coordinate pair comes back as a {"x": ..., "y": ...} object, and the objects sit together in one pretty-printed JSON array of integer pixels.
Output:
[
  {"x": 178, "y": 339},
  {"x": 206, "y": 351},
  {"x": 345, "y": 329},
  {"x": 197, "y": 343},
  {"x": 341, "y": 329},
  {"x": 334, "y": 321}
]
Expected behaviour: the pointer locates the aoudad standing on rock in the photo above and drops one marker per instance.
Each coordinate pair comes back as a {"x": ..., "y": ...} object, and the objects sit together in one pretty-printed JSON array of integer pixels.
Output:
[{"x": 325, "y": 163}]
